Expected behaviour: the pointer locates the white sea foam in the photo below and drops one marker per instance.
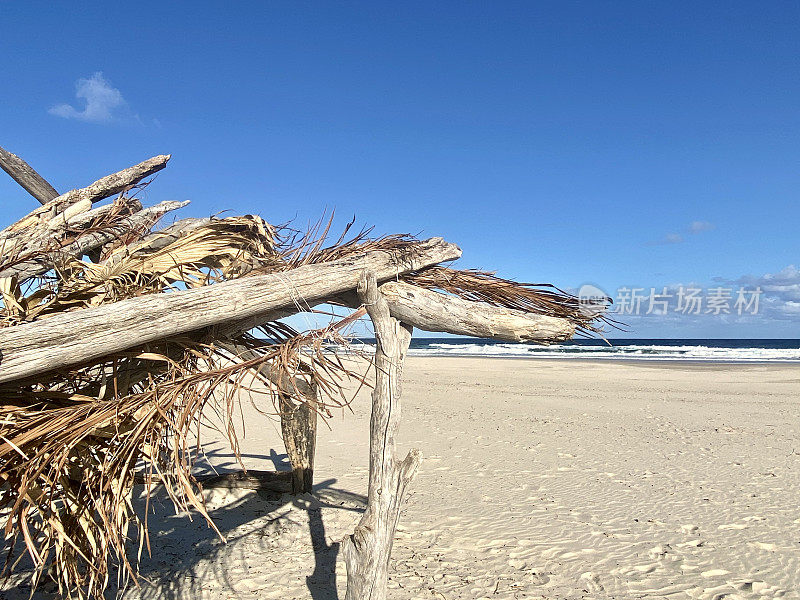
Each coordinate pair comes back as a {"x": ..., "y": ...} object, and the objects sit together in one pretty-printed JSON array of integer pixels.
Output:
[{"x": 648, "y": 352}]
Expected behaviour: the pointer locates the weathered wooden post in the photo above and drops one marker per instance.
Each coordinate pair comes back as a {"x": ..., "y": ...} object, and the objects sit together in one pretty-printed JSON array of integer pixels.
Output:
[
  {"x": 299, "y": 429},
  {"x": 298, "y": 418},
  {"x": 368, "y": 549}
]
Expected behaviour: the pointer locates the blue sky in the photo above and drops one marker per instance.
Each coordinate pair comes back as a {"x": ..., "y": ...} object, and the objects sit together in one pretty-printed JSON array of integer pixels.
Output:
[{"x": 635, "y": 144}]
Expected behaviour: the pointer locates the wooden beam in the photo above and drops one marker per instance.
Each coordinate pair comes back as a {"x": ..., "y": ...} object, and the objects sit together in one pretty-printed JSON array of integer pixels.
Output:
[
  {"x": 432, "y": 311},
  {"x": 367, "y": 551},
  {"x": 76, "y": 337},
  {"x": 278, "y": 482},
  {"x": 23, "y": 174},
  {"x": 267, "y": 481}
]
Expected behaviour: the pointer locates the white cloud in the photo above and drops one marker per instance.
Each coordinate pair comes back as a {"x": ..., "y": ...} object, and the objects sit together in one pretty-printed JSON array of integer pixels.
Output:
[
  {"x": 781, "y": 292},
  {"x": 670, "y": 238},
  {"x": 103, "y": 103},
  {"x": 694, "y": 228},
  {"x": 700, "y": 226},
  {"x": 791, "y": 309}
]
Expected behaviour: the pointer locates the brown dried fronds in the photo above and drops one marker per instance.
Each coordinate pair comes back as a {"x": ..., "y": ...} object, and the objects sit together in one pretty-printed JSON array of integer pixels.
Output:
[
  {"x": 70, "y": 446},
  {"x": 219, "y": 250},
  {"x": 313, "y": 245}
]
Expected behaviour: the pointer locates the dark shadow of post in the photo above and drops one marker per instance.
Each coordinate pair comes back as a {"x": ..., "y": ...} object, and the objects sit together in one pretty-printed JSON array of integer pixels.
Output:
[{"x": 322, "y": 582}]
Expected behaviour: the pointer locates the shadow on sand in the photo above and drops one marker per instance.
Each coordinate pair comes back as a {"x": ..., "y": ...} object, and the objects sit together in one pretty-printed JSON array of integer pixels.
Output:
[{"x": 181, "y": 566}]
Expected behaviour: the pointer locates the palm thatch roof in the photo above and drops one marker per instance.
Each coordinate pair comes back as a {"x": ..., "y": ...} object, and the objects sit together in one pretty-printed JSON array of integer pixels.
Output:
[{"x": 74, "y": 440}]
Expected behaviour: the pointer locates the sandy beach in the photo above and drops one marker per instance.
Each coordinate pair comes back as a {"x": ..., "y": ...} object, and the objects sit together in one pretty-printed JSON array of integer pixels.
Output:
[{"x": 540, "y": 479}]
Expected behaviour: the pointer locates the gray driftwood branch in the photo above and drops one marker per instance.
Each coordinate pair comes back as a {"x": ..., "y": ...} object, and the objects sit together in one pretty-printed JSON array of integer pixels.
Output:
[
  {"x": 44, "y": 260},
  {"x": 24, "y": 174},
  {"x": 445, "y": 313},
  {"x": 432, "y": 311},
  {"x": 100, "y": 189},
  {"x": 76, "y": 337}
]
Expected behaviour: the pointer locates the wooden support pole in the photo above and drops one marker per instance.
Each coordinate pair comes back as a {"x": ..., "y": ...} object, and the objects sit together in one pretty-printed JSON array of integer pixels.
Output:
[
  {"x": 76, "y": 337},
  {"x": 30, "y": 180},
  {"x": 368, "y": 549},
  {"x": 298, "y": 418},
  {"x": 299, "y": 429}
]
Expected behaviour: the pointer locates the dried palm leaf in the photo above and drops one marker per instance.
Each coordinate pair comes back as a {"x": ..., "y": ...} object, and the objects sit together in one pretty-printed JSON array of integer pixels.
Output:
[{"x": 70, "y": 450}]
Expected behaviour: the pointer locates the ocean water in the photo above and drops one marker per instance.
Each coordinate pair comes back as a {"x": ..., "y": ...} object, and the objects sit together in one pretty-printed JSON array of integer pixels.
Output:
[{"x": 616, "y": 349}]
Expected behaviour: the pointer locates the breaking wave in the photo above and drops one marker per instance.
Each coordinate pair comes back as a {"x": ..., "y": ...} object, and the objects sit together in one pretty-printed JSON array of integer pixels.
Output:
[{"x": 694, "y": 350}]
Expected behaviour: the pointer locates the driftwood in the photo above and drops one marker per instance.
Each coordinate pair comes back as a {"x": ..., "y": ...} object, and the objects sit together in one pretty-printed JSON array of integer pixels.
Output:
[
  {"x": 73, "y": 338},
  {"x": 23, "y": 174},
  {"x": 299, "y": 431},
  {"x": 441, "y": 313},
  {"x": 298, "y": 419},
  {"x": 47, "y": 234},
  {"x": 278, "y": 482},
  {"x": 432, "y": 311},
  {"x": 367, "y": 550},
  {"x": 87, "y": 241},
  {"x": 100, "y": 189}
]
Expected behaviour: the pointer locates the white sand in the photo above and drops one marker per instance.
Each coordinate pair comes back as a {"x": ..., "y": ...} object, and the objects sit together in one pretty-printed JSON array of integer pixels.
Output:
[{"x": 540, "y": 479}]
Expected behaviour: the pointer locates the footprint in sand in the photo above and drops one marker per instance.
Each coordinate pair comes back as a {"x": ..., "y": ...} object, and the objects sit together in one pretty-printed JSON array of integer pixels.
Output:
[
  {"x": 539, "y": 578},
  {"x": 659, "y": 551},
  {"x": 644, "y": 569},
  {"x": 764, "y": 546},
  {"x": 761, "y": 588},
  {"x": 635, "y": 571},
  {"x": 591, "y": 582}
]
